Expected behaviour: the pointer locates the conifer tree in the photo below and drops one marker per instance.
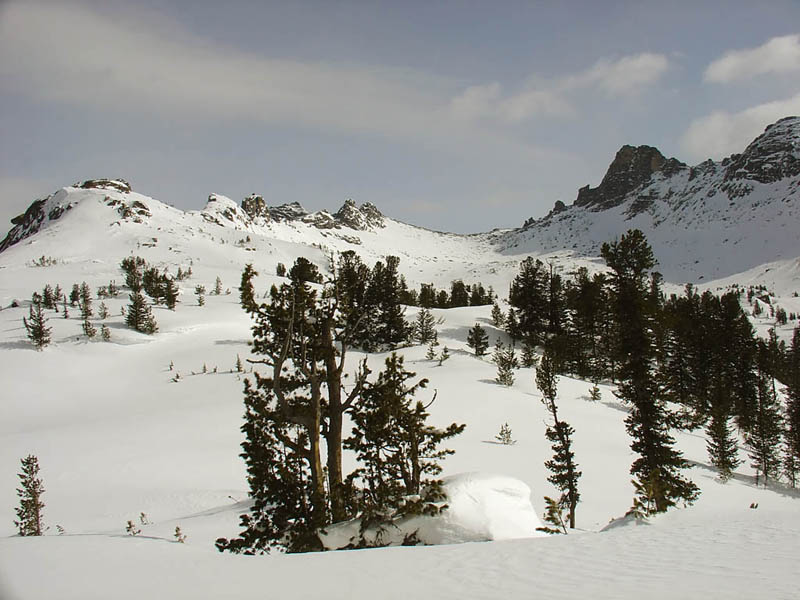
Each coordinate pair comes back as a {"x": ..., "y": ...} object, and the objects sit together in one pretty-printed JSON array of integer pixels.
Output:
[
  {"x": 721, "y": 444},
  {"x": 102, "y": 311},
  {"x": 505, "y": 436},
  {"x": 105, "y": 333},
  {"x": 170, "y": 292},
  {"x": 247, "y": 294},
  {"x": 478, "y": 340},
  {"x": 89, "y": 330},
  {"x": 764, "y": 436},
  {"x": 48, "y": 297},
  {"x": 199, "y": 291},
  {"x": 431, "y": 354},
  {"x": 424, "y": 327},
  {"x": 630, "y": 258},
  {"x": 65, "y": 312},
  {"x": 506, "y": 361},
  {"x": 498, "y": 318},
  {"x": 445, "y": 354},
  {"x": 58, "y": 294},
  {"x": 85, "y": 301},
  {"x": 30, "y": 493},
  {"x": 36, "y": 324},
  {"x": 528, "y": 357},
  {"x": 75, "y": 295},
  {"x": 530, "y": 297},
  {"x": 139, "y": 316},
  {"x": 217, "y": 286},
  {"x": 792, "y": 444},
  {"x": 399, "y": 452},
  {"x": 564, "y": 470}
]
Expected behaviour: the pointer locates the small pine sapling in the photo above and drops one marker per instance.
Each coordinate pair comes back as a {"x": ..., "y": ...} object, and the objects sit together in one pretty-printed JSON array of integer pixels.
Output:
[
  {"x": 199, "y": 291},
  {"x": 36, "y": 324},
  {"x": 239, "y": 365},
  {"x": 594, "y": 392},
  {"x": 444, "y": 355},
  {"x": 505, "y": 437},
  {"x": 554, "y": 515},
  {"x": 180, "y": 537},
  {"x": 431, "y": 354},
  {"x": 478, "y": 340},
  {"x": 217, "y": 287},
  {"x": 105, "y": 333},
  {"x": 506, "y": 362},
  {"x": 132, "y": 529},
  {"x": 498, "y": 318},
  {"x": 102, "y": 311},
  {"x": 528, "y": 358},
  {"x": 89, "y": 330}
]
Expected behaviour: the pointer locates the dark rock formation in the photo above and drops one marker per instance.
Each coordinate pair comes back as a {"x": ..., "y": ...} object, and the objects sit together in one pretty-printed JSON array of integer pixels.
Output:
[
  {"x": 772, "y": 156},
  {"x": 287, "y": 212},
  {"x": 631, "y": 168},
  {"x": 119, "y": 185},
  {"x": 255, "y": 207},
  {"x": 360, "y": 218}
]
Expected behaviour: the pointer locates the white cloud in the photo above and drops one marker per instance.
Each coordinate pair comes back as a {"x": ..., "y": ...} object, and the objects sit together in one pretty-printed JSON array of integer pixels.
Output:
[
  {"x": 778, "y": 55},
  {"x": 626, "y": 76},
  {"x": 722, "y": 133}
]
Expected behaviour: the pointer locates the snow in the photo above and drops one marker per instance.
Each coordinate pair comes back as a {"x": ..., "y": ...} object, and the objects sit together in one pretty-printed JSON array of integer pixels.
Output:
[{"x": 116, "y": 437}]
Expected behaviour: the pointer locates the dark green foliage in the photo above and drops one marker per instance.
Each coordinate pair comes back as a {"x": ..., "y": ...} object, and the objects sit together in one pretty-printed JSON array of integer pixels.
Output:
[
  {"x": 399, "y": 452},
  {"x": 102, "y": 311},
  {"x": 529, "y": 297},
  {"x": 89, "y": 330},
  {"x": 29, "y": 512},
  {"x": 75, "y": 295},
  {"x": 424, "y": 330},
  {"x": 554, "y": 515},
  {"x": 505, "y": 436},
  {"x": 132, "y": 267},
  {"x": 105, "y": 333},
  {"x": 139, "y": 316},
  {"x": 280, "y": 270},
  {"x": 506, "y": 360},
  {"x": 383, "y": 293},
  {"x": 431, "y": 353},
  {"x": 200, "y": 291},
  {"x": 459, "y": 295},
  {"x": 498, "y": 318},
  {"x": 217, "y": 287},
  {"x": 170, "y": 292},
  {"x": 528, "y": 356},
  {"x": 247, "y": 294},
  {"x": 564, "y": 471},
  {"x": 792, "y": 450},
  {"x": 478, "y": 340},
  {"x": 763, "y": 438},
  {"x": 36, "y": 324},
  {"x": 48, "y": 297},
  {"x": 721, "y": 444},
  {"x": 85, "y": 301},
  {"x": 659, "y": 463}
]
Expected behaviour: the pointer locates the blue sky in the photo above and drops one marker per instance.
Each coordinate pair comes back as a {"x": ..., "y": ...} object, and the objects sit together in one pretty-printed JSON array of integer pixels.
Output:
[{"x": 460, "y": 116}]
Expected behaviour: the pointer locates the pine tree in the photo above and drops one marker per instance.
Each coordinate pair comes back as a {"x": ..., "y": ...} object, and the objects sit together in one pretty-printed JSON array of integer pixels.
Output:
[
  {"x": 554, "y": 514},
  {"x": 506, "y": 361},
  {"x": 85, "y": 301},
  {"x": 171, "y": 292},
  {"x": 102, "y": 311},
  {"x": 199, "y": 291},
  {"x": 564, "y": 470},
  {"x": 89, "y": 330},
  {"x": 721, "y": 444},
  {"x": 30, "y": 493},
  {"x": 239, "y": 366},
  {"x": 630, "y": 258},
  {"x": 247, "y": 294},
  {"x": 75, "y": 295},
  {"x": 36, "y": 324},
  {"x": 139, "y": 316},
  {"x": 424, "y": 327},
  {"x": 594, "y": 392},
  {"x": 478, "y": 340},
  {"x": 65, "y": 312},
  {"x": 505, "y": 437},
  {"x": 431, "y": 354},
  {"x": 445, "y": 354},
  {"x": 498, "y": 318},
  {"x": 764, "y": 436},
  {"x": 58, "y": 294},
  {"x": 105, "y": 333},
  {"x": 530, "y": 296},
  {"x": 48, "y": 297},
  {"x": 792, "y": 440},
  {"x": 217, "y": 286},
  {"x": 398, "y": 451},
  {"x": 528, "y": 357}
]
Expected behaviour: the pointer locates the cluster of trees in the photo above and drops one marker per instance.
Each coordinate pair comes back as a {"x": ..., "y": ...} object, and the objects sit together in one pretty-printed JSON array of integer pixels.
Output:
[
  {"x": 461, "y": 294},
  {"x": 686, "y": 361},
  {"x": 302, "y": 335}
]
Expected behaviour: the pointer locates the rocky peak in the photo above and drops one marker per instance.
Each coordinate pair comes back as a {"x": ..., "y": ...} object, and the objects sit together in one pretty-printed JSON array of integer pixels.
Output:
[
  {"x": 632, "y": 167},
  {"x": 287, "y": 212},
  {"x": 118, "y": 185},
  {"x": 360, "y": 218},
  {"x": 255, "y": 207},
  {"x": 773, "y": 155}
]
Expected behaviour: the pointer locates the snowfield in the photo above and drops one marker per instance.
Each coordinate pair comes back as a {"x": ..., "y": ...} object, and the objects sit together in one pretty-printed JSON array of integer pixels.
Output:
[{"x": 116, "y": 436}]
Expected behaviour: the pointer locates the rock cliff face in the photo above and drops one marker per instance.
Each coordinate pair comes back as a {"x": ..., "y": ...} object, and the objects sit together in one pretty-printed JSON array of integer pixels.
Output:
[
  {"x": 632, "y": 167},
  {"x": 772, "y": 156}
]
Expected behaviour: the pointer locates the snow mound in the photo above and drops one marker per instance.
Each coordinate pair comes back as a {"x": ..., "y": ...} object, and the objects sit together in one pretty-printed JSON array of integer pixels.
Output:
[{"x": 482, "y": 507}]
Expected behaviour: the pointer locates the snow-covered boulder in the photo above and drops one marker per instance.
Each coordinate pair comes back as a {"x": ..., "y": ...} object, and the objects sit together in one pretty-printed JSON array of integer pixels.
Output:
[{"x": 481, "y": 507}]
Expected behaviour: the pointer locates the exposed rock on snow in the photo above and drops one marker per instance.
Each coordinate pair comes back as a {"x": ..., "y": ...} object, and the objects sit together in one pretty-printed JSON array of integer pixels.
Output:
[
  {"x": 481, "y": 507},
  {"x": 255, "y": 207}
]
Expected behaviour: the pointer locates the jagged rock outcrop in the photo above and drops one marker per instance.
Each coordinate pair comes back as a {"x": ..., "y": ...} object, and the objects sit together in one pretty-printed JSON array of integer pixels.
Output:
[
  {"x": 772, "y": 156},
  {"x": 255, "y": 207},
  {"x": 632, "y": 167},
  {"x": 119, "y": 185},
  {"x": 287, "y": 212},
  {"x": 362, "y": 218}
]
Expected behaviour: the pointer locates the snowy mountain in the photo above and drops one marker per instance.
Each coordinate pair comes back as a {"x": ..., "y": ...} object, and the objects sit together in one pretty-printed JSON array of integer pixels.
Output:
[
  {"x": 705, "y": 222},
  {"x": 151, "y": 423}
]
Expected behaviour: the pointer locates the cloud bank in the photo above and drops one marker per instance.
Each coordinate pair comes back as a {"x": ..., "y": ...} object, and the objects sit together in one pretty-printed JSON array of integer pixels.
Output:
[{"x": 776, "y": 56}]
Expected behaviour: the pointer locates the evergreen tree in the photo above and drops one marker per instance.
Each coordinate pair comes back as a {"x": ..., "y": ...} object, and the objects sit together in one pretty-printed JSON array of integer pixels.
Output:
[
  {"x": 478, "y": 340},
  {"x": 85, "y": 301},
  {"x": 132, "y": 266},
  {"x": 530, "y": 296},
  {"x": 36, "y": 324},
  {"x": 199, "y": 291},
  {"x": 217, "y": 287},
  {"x": 102, "y": 311},
  {"x": 459, "y": 295},
  {"x": 48, "y": 297},
  {"x": 424, "y": 327},
  {"x": 564, "y": 470},
  {"x": 528, "y": 357},
  {"x": 505, "y": 436},
  {"x": 30, "y": 493},
  {"x": 247, "y": 294},
  {"x": 764, "y": 436},
  {"x": 630, "y": 257},
  {"x": 170, "y": 292},
  {"x": 65, "y": 312},
  {"x": 444, "y": 355},
  {"x": 139, "y": 316},
  {"x": 431, "y": 354},
  {"x": 58, "y": 294},
  {"x": 721, "y": 444},
  {"x": 75, "y": 295},
  {"x": 498, "y": 318},
  {"x": 506, "y": 361},
  {"x": 398, "y": 451},
  {"x": 105, "y": 333},
  {"x": 89, "y": 330},
  {"x": 792, "y": 450},
  {"x": 427, "y": 295}
]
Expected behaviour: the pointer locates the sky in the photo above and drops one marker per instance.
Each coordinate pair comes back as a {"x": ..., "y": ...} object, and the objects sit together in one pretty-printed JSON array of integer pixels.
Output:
[{"x": 455, "y": 115}]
